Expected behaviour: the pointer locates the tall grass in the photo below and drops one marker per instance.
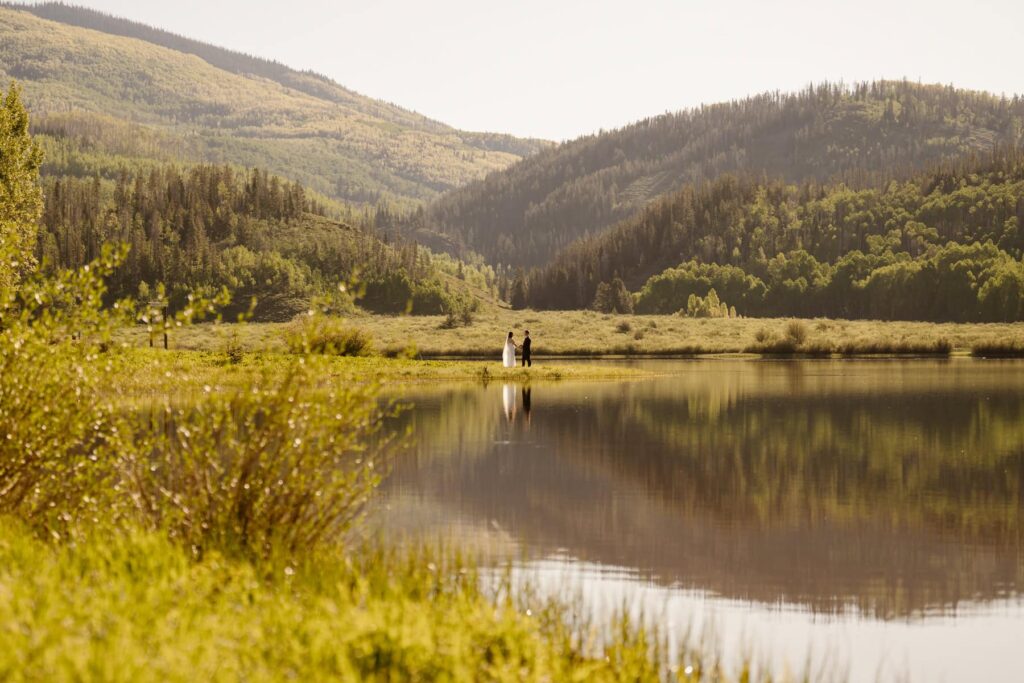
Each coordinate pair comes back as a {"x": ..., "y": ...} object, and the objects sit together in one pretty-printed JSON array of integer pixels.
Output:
[
  {"x": 272, "y": 468},
  {"x": 586, "y": 333},
  {"x": 999, "y": 348},
  {"x": 322, "y": 334},
  {"x": 133, "y": 605}
]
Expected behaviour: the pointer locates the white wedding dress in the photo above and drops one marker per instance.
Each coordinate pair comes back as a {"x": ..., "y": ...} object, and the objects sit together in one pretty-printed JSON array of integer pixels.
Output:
[
  {"x": 508, "y": 400},
  {"x": 508, "y": 356}
]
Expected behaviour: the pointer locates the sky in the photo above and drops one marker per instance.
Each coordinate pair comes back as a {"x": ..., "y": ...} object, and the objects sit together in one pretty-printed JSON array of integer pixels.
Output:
[{"x": 557, "y": 69}]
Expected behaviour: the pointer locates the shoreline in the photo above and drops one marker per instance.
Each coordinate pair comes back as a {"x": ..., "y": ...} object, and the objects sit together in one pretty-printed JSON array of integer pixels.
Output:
[
  {"x": 153, "y": 372},
  {"x": 586, "y": 335}
]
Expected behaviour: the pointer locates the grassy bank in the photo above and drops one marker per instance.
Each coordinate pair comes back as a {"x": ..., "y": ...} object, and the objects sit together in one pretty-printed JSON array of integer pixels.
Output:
[
  {"x": 587, "y": 333},
  {"x": 144, "y": 372},
  {"x": 132, "y": 606}
]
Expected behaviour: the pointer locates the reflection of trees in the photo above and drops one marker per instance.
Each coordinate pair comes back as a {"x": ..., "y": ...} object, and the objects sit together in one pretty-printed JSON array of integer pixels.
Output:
[
  {"x": 954, "y": 461},
  {"x": 891, "y": 489}
]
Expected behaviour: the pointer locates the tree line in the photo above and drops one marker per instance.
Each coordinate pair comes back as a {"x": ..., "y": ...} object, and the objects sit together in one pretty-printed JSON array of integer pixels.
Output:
[
  {"x": 215, "y": 226},
  {"x": 944, "y": 245}
]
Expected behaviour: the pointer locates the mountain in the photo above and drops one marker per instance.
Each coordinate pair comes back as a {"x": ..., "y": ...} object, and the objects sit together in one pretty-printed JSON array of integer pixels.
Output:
[
  {"x": 102, "y": 86},
  {"x": 526, "y": 213}
]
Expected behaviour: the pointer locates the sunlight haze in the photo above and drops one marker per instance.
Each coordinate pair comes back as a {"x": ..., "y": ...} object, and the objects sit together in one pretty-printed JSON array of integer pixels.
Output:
[{"x": 559, "y": 70}]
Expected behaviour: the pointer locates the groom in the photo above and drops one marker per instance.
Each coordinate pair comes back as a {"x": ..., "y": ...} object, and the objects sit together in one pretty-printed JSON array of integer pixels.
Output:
[{"x": 526, "y": 350}]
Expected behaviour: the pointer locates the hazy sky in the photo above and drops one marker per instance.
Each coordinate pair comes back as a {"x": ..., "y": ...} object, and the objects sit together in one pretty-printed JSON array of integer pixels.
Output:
[{"x": 557, "y": 69}]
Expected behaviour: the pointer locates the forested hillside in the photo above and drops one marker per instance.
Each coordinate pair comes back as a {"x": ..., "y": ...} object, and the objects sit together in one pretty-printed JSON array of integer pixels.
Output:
[
  {"x": 261, "y": 237},
  {"x": 944, "y": 245},
  {"x": 526, "y": 213},
  {"x": 106, "y": 86}
]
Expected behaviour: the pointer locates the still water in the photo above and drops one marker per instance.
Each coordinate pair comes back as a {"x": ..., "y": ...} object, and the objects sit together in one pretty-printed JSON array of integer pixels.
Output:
[{"x": 869, "y": 513}]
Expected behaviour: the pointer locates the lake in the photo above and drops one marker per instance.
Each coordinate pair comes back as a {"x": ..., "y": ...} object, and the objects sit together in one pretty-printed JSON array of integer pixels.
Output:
[{"x": 868, "y": 512}]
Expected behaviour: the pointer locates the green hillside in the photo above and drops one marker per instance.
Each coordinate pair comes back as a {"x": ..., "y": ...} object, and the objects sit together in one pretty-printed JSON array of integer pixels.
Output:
[
  {"x": 261, "y": 237},
  {"x": 943, "y": 245},
  {"x": 526, "y": 213},
  {"x": 101, "y": 86}
]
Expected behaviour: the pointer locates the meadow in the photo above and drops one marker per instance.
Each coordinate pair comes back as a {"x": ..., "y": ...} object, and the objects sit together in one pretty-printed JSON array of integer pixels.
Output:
[{"x": 592, "y": 334}]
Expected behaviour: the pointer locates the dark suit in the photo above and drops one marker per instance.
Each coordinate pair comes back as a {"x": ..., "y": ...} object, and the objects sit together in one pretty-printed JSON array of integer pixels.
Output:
[{"x": 526, "y": 353}]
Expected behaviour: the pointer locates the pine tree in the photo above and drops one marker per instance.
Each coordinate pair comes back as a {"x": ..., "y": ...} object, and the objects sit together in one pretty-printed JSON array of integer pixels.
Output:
[
  {"x": 21, "y": 198},
  {"x": 518, "y": 296},
  {"x": 613, "y": 297}
]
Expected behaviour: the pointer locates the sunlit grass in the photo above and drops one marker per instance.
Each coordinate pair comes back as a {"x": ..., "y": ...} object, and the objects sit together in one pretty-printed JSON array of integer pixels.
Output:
[
  {"x": 140, "y": 373},
  {"x": 587, "y": 333},
  {"x": 134, "y": 606}
]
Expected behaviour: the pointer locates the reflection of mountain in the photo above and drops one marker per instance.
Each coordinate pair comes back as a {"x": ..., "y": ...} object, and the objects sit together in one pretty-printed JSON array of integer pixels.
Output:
[{"x": 892, "y": 489}]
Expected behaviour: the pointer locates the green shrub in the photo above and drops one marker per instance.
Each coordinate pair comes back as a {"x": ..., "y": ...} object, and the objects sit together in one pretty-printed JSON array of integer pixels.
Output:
[
  {"x": 707, "y": 307},
  {"x": 391, "y": 293},
  {"x": 459, "y": 310},
  {"x": 274, "y": 467},
  {"x": 328, "y": 336},
  {"x": 233, "y": 350},
  {"x": 796, "y": 330},
  {"x": 57, "y": 460}
]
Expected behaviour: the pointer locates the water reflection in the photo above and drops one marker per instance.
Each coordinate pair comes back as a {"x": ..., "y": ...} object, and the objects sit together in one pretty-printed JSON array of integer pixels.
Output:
[
  {"x": 877, "y": 488},
  {"x": 508, "y": 399},
  {"x": 508, "y": 402}
]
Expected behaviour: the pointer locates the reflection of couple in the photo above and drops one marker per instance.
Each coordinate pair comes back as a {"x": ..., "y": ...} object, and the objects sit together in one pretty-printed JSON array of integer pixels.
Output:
[
  {"x": 508, "y": 356},
  {"x": 508, "y": 398}
]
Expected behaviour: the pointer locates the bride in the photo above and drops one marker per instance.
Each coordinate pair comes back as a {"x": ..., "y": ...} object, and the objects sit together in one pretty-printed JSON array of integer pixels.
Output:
[{"x": 508, "y": 356}]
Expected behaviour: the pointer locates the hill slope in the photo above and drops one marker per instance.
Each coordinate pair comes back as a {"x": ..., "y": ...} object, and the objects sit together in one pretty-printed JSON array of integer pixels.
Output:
[
  {"x": 210, "y": 104},
  {"x": 944, "y": 245},
  {"x": 524, "y": 214}
]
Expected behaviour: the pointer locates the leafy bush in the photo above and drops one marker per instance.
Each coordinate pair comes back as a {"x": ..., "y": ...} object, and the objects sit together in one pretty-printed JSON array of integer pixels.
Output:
[
  {"x": 274, "y": 468},
  {"x": 391, "y": 293},
  {"x": 57, "y": 460},
  {"x": 707, "y": 307},
  {"x": 667, "y": 291},
  {"x": 328, "y": 336},
  {"x": 460, "y": 311}
]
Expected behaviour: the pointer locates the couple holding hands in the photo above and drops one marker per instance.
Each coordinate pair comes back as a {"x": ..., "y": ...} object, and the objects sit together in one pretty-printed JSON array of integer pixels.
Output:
[{"x": 508, "y": 356}]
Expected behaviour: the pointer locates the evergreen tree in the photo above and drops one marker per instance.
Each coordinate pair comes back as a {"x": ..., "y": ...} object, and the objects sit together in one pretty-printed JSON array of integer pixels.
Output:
[
  {"x": 519, "y": 293},
  {"x": 613, "y": 297},
  {"x": 21, "y": 201}
]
